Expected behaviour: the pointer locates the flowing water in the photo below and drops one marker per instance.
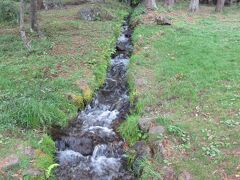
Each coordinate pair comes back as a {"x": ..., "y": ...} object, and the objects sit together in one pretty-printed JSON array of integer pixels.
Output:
[{"x": 90, "y": 148}]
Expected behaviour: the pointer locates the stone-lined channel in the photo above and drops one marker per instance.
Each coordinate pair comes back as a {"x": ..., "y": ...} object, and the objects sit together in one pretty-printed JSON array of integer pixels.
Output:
[{"x": 90, "y": 148}]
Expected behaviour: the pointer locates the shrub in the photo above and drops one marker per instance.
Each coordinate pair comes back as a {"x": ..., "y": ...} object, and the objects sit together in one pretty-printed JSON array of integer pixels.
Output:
[{"x": 8, "y": 11}]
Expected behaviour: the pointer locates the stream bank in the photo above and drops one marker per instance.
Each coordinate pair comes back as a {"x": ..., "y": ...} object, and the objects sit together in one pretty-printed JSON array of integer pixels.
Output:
[{"x": 90, "y": 147}]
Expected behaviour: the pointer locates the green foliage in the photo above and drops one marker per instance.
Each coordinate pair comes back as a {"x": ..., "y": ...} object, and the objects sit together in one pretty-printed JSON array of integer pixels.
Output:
[
  {"x": 8, "y": 11},
  {"x": 150, "y": 171},
  {"x": 163, "y": 121},
  {"x": 47, "y": 145},
  {"x": 50, "y": 169},
  {"x": 135, "y": 2},
  {"x": 211, "y": 150},
  {"x": 33, "y": 87},
  {"x": 129, "y": 129},
  {"x": 177, "y": 131},
  {"x": 45, "y": 155}
]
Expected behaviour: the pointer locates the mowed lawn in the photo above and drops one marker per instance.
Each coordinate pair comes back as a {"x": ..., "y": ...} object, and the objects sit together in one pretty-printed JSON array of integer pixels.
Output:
[
  {"x": 47, "y": 86},
  {"x": 187, "y": 76}
]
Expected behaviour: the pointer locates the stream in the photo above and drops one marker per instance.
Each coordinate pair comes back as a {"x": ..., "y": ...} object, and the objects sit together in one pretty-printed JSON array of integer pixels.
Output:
[{"x": 90, "y": 148}]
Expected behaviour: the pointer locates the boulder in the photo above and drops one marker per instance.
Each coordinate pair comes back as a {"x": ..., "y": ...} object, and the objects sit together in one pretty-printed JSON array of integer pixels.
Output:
[
  {"x": 142, "y": 149},
  {"x": 161, "y": 20},
  {"x": 52, "y": 4},
  {"x": 94, "y": 14},
  {"x": 144, "y": 124}
]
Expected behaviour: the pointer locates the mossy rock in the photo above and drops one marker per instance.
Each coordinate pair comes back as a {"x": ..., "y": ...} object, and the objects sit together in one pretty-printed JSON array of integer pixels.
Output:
[
  {"x": 77, "y": 100},
  {"x": 87, "y": 94}
]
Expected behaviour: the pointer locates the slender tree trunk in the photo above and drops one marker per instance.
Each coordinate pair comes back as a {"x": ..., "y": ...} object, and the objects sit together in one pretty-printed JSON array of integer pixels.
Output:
[
  {"x": 33, "y": 15},
  {"x": 169, "y": 3},
  {"x": 220, "y": 5},
  {"x": 21, "y": 26},
  {"x": 150, "y": 4},
  {"x": 194, "y": 5}
]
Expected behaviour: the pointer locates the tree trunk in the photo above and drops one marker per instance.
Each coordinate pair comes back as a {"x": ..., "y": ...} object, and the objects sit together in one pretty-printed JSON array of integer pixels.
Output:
[
  {"x": 33, "y": 15},
  {"x": 194, "y": 5},
  {"x": 150, "y": 4},
  {"x": 21, "y": 26},
  {"x": 220, "y": 5},
  {"x": 169, "y": 3}
]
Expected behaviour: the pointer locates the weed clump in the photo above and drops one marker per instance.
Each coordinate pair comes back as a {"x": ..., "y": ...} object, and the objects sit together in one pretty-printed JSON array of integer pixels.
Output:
[{"x": 45, "y": 153}]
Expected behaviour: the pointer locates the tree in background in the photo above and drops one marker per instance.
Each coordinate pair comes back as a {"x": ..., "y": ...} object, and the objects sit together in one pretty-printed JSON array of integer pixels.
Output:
[
  {"x": 169, "y": 3},
  {"x": 150, "y": 4},
  {"x": 220, "y": 5},
  {"x": 21, "y": 26},
  {"x": 194, "y": 5},
  {"x": 33, "y": 16}
]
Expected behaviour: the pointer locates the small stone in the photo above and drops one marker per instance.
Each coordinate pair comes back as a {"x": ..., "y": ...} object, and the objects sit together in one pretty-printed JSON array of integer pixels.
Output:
[
  {"x": 185, "y": 176},
  {"x": 142, "y": 149},
  {"x": 144, "y": 124},
  {"x": 33, "y": 172},
  {"x": 168, "y": 173},
  {"x": 9, "y": 162},
  {"x": 156, "y": 130}
]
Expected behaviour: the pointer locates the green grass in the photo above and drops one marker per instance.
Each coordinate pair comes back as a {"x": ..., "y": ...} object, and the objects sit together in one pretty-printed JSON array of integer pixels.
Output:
[
  {"x": 47, "y": 86},
  {"x": 34, "y": 86},
  {"x": 191, "y": 75}
]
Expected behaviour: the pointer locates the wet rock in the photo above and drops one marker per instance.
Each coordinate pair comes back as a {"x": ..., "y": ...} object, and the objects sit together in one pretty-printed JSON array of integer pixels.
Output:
[
  {"x": 169, "y": 173},
  {"x": 69, "y": 157},
  {"x": 94, "y": 14},
  {"x": 161, "y": 20},
  {"x": 156, "y": 130},
  {"x": 123, "y": 43},
  {"x": 83, "y": 145},
  {"x": 9, "y": 162},
  {"x": 32, "y": 172},
  {"x": 144, "y": 124},
  {"x": 185, "y": 176}
]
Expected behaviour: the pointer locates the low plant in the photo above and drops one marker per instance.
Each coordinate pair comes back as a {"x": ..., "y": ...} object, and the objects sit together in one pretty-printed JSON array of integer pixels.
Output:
[
  {"x": 184, "y": 137},
  {"x": 211, "y": 150},
  {"x": 129, "y": 129}
]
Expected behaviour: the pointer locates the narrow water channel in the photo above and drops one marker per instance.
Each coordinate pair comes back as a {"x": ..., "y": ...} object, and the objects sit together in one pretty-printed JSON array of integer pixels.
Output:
[{"x": 90, "y": 148}]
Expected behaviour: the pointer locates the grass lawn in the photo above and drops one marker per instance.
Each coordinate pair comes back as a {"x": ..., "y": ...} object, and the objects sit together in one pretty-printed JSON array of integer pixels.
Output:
[
  {"x": 187, "y": 76},
  {"x": 48, "y": 85}
]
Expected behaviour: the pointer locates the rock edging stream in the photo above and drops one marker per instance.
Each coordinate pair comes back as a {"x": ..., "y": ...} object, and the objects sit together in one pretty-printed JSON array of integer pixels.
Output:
[{"x": 90, "y": 147}]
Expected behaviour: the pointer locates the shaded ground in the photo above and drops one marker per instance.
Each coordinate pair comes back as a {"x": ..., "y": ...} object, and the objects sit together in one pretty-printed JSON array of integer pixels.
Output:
[
  {"x": 48, "y": 86},
  {"x": 186, "y": 78}
]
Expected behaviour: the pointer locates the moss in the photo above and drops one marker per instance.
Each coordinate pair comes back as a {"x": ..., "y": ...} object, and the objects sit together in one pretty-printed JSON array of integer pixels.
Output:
[
  {"x": 77, "y": 100},
  {"x": 87, "y": 94}
]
